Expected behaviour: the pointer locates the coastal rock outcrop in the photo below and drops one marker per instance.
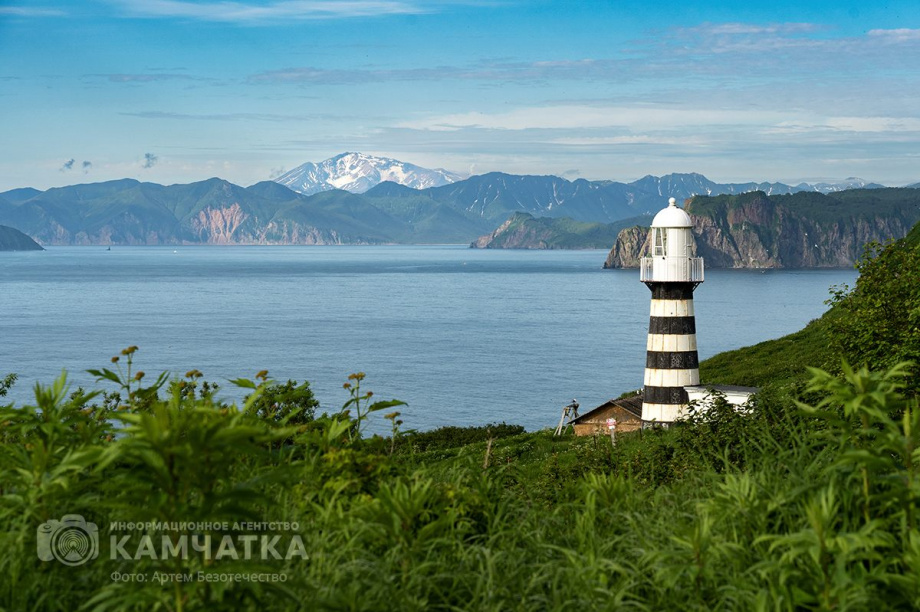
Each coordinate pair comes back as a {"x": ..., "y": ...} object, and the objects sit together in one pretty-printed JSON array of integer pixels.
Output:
[
  {"x": 12, "y": 239},
  {"x": 630, "y": 245},
  {"x": 524, "y": 231}
]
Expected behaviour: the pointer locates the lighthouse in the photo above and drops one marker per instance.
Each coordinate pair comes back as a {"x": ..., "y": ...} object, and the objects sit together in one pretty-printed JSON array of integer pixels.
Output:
[{"x": 671, "y": 273}]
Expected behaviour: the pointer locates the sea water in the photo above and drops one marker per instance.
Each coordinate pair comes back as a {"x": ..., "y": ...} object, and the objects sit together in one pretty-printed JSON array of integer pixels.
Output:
[{"x": 464, "y": 336}]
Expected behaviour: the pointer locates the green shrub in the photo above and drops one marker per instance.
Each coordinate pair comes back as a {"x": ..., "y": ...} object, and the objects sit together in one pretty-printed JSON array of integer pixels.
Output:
[
  {"x": 452, "y": 436},
  {"x": 879, "y": 322}
]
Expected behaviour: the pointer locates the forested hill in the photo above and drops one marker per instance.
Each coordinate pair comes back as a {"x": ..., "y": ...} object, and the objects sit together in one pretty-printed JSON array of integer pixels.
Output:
[
  {"x": 14, "y": 240},
  {"x": 524, "y": 231},
  {"x": 801, "y": 230}
]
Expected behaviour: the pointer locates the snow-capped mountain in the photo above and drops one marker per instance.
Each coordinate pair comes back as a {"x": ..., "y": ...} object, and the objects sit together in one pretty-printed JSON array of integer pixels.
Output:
[{"x": 357, "y": 172}]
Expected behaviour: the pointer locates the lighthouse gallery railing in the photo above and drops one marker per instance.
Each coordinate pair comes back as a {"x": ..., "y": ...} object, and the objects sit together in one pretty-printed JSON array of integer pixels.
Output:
[{"x": 671, "y": 269}]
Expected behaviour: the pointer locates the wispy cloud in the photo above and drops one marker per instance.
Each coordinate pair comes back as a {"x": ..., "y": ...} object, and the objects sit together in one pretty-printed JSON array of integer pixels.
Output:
[
  {"x": 727, "y": 52},
  {"x": 736, "y": 28},
  {"x": 896, "y": 36},
  {"x": 861, "y": 125},
  {"x": 576, "y": 117},
  {"x": 482, "y": 71},
  {"x": 150, "y": 160},
  {"x": 146, "y": 78},
  {"x": 266, "y": 12},
  {"x": 272, "y": 117},
  {"x": 31, "y": 11},
  {"x": 631, "y": 139},
  {"x": 663, "y": 130},
  {"x": 87, "y": 165}
]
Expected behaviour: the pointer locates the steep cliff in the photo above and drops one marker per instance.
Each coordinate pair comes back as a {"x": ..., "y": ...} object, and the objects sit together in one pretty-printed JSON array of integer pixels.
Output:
[
  {"x": 630, "y": 245},
  {"x": 805, "y": 230}
]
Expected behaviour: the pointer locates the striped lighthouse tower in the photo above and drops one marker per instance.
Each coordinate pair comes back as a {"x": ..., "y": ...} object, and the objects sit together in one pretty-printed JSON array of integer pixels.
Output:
[{"x": 671, "y": 273}]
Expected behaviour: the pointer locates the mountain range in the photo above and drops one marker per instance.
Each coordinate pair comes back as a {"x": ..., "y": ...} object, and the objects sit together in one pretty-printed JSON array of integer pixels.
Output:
[
  {"x": 215, "y": 211},
  {"x": 359, "y": 172}
]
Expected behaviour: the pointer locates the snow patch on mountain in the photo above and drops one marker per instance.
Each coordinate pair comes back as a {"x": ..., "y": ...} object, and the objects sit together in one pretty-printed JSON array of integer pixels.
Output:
[
  {"x": 357, "y": 172},
  {"x": 848, "y": 183}
]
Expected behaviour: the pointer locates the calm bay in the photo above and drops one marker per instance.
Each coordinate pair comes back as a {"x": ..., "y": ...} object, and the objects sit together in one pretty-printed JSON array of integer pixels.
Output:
[{"x": 464, "y": 336}]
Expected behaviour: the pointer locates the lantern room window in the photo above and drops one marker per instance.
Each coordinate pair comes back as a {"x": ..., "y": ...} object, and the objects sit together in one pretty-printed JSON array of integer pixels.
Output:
[{"x": 660, "y": 247}]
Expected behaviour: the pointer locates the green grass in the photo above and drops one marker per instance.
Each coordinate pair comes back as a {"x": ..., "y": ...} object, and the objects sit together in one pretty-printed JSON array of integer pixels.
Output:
[{"x": 778, "y": 361}]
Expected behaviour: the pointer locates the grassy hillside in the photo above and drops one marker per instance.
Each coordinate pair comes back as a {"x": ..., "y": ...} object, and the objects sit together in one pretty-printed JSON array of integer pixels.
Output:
[{"x": 776, "y": 361}]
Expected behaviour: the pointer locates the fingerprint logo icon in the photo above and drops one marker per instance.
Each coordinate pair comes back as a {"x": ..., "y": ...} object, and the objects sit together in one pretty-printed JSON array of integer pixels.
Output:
[{"x": 71, "y": 540}]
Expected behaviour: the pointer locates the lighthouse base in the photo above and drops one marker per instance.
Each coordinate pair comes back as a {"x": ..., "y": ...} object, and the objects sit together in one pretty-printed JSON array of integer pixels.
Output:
[{"x": 663, "y": 413}]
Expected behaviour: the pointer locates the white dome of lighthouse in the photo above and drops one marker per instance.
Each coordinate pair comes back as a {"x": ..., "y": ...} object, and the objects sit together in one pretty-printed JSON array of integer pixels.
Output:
[{"x": 672, "y": 216}]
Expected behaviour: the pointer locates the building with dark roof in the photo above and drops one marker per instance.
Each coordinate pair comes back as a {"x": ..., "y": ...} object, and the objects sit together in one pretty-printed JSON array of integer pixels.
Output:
[{"x": 627, "y": 411}]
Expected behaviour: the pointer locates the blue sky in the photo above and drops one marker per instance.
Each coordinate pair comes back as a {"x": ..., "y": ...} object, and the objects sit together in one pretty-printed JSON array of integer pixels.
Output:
[{"x": 176, "y": 91}]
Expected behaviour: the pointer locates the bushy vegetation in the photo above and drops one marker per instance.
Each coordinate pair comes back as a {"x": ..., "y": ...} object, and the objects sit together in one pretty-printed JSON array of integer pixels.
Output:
[
  {"x": 807, "y": 500},
  {"x": 776, "y": 508},
  {"x": 452, "y": 436},
  {"x": 878, "y": 321}
]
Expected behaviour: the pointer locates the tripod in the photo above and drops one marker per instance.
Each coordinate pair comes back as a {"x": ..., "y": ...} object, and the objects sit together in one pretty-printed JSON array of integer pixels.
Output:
[{"x": 571, "y": 412}]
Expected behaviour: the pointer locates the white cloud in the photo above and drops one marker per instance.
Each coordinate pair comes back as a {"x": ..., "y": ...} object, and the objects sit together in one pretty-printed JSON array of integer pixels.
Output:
[
  {"x": 874, "y": 124},
  {"x": 30, "y": 11},
  {"x": 897, "y": 35},
  {"x": 252, "y": 12},
  {"x": 575, "y": 117},
  {"x": 723, "y": 53},
  {"x": 898, "y": 125},
  {"x": 482, "y": 71},
  {"x": 637, "y": 139},
  {"x": 734, "y": 28}
]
